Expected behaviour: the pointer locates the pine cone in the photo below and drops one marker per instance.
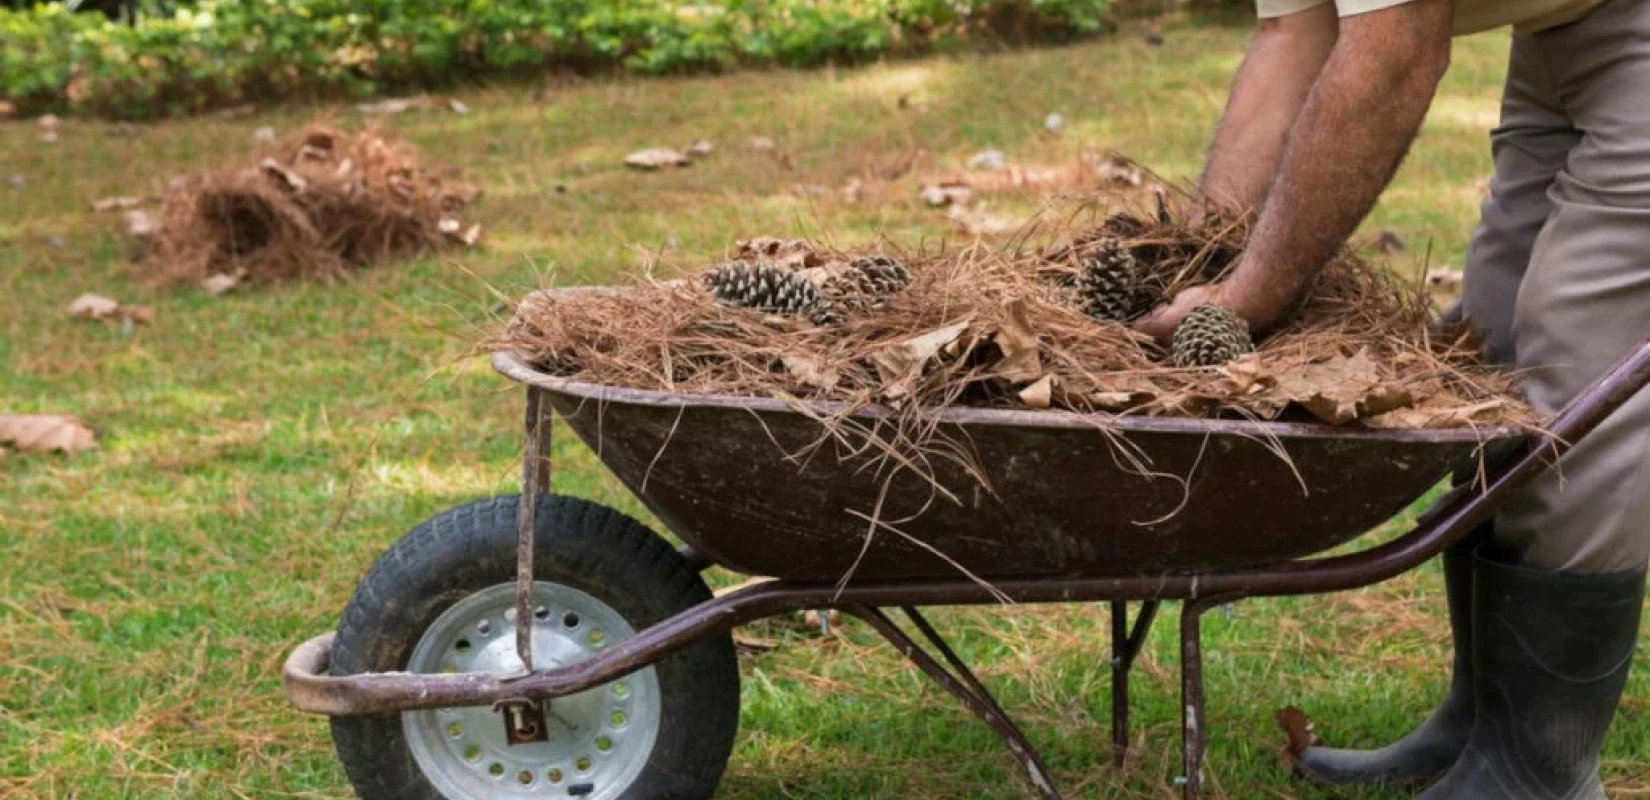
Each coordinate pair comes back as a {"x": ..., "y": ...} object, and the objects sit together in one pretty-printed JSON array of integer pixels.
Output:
[
  {"x": 866, "y": 283},
  {"x": 1113, "y": 285},
  {"x": 1211, "y": 336},
  {"x": 765, "y": 287}
]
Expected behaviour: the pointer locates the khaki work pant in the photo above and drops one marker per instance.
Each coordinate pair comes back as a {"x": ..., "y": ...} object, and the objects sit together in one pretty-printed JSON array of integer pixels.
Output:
[{"x": 1558, "y": 275}]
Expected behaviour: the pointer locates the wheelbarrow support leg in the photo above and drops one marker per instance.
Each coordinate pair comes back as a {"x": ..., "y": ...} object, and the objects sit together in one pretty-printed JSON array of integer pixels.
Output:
[
  {"x": 1193, "y": 723},
  {"x": 962, "y": 684},
  {"x": 535, "y": 480},
  {"x": 1125, "y": 646}
]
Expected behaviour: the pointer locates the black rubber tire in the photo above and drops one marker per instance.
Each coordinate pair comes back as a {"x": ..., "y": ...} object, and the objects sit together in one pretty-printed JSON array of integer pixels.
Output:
[{"x": 580, "y": 544}]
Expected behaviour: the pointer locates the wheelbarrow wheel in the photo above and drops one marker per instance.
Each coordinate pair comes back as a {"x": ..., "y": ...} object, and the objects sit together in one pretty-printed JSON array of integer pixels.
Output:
[{"x": 442, "y": 599}]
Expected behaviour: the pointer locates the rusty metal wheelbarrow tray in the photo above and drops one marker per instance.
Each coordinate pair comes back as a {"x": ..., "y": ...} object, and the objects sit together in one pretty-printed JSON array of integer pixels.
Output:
[
  {"x": 1064, "y": 519},
  {"x": 757, "y": 486}
]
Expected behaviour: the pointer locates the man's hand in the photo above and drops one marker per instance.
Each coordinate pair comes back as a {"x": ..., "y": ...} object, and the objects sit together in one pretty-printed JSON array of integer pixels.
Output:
[{"x": 1161, "y": 324}]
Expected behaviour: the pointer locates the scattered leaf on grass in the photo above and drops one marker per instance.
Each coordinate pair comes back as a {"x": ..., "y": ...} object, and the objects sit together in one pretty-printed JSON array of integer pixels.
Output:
[
  {"x": 17, "y": 181},
  {"x": 1444, "y": 278},
  {"x": 49, "y": 136},
  {"x": 1118, "y": 170},
  {"x": 50, "y": 122},
  {"x": 46, "y": 432},
  {"x": 219, "y": 284},
  {"x": 96, "y": 306},
  {"x": 701, "y": 148},
  {"x": 979, "y": 222},
  {"x": 1389, "y": 242},
  {"x": 854, "y": 190},
  {"x": 988, "y": 159},
  {"x": 1154, "y": 39},
  {"x": 761, "y": 144},
  {"x": 264, "y": 134},
  {"x": 947, "y": 193},
  {"x": 1297, "y": 731},
  {"x": 394, "y": 105},
  {"x": 236, "y": 112},
  {"x": 656, "y": 158},
  {"x": 458, "y": 106},
  {"x": 117, "y": 203},
  {"x": 1054, "y": 122}
]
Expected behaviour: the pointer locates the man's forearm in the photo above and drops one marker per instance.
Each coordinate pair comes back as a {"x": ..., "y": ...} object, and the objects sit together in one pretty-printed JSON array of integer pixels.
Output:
[
  {"x": 1279, "y": 67},
  {"x": 1352, "y": 133}
]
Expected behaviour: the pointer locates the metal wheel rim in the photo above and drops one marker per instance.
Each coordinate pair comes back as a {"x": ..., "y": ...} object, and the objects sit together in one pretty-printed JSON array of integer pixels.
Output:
[{"x": 600, "y": 739}]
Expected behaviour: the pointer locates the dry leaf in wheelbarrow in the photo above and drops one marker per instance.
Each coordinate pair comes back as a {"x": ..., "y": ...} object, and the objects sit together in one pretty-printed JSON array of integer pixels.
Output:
[{"x": 42, "y": 433}]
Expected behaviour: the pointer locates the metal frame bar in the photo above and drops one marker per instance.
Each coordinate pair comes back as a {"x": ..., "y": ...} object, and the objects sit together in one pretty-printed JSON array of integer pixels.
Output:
[
  {"x": 962, "y": 684},
  {"x": 311, "y": 690}
]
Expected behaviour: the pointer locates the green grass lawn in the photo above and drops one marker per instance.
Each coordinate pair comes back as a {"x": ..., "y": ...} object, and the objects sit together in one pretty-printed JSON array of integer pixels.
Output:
[{"x": 261, "y": 449}]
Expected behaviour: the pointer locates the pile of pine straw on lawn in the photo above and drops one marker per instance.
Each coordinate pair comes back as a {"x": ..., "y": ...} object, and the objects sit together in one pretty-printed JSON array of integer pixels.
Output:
[
  {"x": 317, "y": 204},
  {"x": 997, "y": 327}
]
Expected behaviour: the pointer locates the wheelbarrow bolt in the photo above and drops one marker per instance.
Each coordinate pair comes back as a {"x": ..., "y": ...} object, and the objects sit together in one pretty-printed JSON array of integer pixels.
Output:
[{"x": 523, "y": 721}]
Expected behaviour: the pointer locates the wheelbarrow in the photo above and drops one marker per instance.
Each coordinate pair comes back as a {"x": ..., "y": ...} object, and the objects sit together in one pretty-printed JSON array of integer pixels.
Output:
[{"x": 545, "y": 646}]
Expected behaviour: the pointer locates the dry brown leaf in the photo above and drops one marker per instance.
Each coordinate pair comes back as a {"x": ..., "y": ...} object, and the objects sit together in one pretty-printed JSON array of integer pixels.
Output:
[
  {"x": 1118, "y": 170},
  {"x": 1017, "y": 338},
  {"x": 979, "y": 222},
  {"x": 792, "y": 253},
  {"x": 900, "y": 365},
  {"x": 46, "y": 432},
  {"x": 293, "y": 180},
  {"x": 761, "y": 144},
  {"x": 1389, "y": 242},
  {"x": 117, "y": 203},
  {"x": 947, "y": 193},
  {"x": 140, "y": 224},
  {"x": 98, "y": 307},
  {"x": 701, "y": 148},
  {"x": 1297, "y": 731},
  {"x": 1445, "y": 278},
  {"x": 222, "y": 282},
  {"x": 811, "y": 372},
  {"x": 394, "y": 105},
  {"x": 1339, "y": 390},
  {"x": 656, "y": 158},
  {"x": 1438, "y": 413},
  {"x": 1039, "y": 394}
]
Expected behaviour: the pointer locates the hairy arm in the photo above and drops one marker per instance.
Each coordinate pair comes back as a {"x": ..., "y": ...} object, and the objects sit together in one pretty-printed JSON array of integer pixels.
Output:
[
  {"x": 1279, "y": 68},
  {"x": 1358, "y": 122}
]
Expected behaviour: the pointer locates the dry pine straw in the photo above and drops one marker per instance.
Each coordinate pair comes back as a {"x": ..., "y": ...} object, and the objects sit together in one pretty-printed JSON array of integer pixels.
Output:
[
  {"x": 315, "y": 205},
  {"x": 999, "y": 327}
]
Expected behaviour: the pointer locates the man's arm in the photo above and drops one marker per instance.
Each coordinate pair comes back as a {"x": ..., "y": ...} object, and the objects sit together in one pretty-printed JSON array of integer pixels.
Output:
[
  {"x": 1356, "y": 126},
  {"x": 1279, "y": 68}
]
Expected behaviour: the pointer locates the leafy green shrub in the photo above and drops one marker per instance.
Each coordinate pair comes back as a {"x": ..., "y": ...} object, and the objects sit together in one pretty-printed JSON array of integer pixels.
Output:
[{"x": 226, "y": 51}]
